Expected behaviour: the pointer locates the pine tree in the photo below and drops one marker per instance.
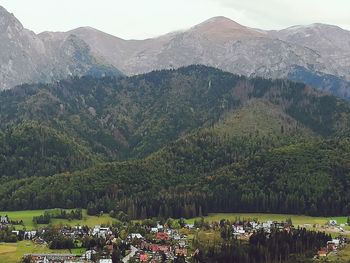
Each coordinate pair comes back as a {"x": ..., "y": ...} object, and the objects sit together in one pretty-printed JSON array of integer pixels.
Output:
[{"x": 116, "y": 255}]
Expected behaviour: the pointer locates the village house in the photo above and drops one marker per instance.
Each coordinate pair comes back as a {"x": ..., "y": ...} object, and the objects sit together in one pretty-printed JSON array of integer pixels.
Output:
[
  {"x": 135, "y": 236},
  {"x": 267, "y": 225},
  {"x": 77, "y": 232},
  {"x": 238, "y": 230},
  {"x": 181, "y": 252},
  {"x": 15, "y": 232},
  {"x": 253, "y": 224},
  {"x": 162, "y": 236},
  {"x": 160, "y": 227},
  {"x": 160, "y": 248},
  {"x": 88, "y": 254},
  {"x": 143, "y": 257},
  {"x": 333, "y": 245},
  {"x": 189, "y": 226},
  {"x": 182, "y": 244},
  {"x": 29, "y": 235},
  {"x": 332, "y": 223},
  {"x": 322, "y": 253},
  {"x": 101, "y": 232},
  {"x": 154, "y": 230},
  {"x": 51, "y": 258},
  {"x": 4, "y": 220}
]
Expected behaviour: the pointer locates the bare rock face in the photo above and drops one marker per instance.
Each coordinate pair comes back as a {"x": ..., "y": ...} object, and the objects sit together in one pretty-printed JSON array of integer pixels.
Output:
[
  {"x": 331, "y": 42},
  {"x": 20, "y": 52},
  {"x": 27, "y": 57}
]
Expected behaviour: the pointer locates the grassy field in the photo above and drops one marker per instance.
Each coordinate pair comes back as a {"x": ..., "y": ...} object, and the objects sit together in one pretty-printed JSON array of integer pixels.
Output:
[
  {"x": 5, "y": 249},
  {"x": 296, "y": 219},
  {"x": 342, "y": 256},
  {"x": 27, "y": 217},
  {"x": 12, "y": 253}
]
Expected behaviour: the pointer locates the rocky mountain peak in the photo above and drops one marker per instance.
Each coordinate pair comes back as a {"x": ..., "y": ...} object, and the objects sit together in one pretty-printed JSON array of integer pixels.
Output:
[
  {"x": 223, "y": 28},
  {"x": 8, "y": 21},
  {"x": 222, "y": 21}
]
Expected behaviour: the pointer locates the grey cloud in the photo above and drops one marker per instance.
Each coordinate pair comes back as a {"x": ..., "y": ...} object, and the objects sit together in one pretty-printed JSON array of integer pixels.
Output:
[{"x": 284, "y": 13}]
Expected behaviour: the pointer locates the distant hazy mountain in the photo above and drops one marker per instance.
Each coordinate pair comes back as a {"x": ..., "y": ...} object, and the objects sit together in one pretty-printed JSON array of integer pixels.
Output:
[
  {"x": 317, "y": 54},
  {"x": 27, "y": 57},
  {"x": 319, "y": 51},
  {"x": 218, "y": 42}
]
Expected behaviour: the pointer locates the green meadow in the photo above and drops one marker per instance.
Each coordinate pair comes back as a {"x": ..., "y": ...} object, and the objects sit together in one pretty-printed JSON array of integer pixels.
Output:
[
  {"x": 296, "y": 219},
  {"x": 342, "y": 256},
  {"x": 12, "y": 253},
  {"x": 27, "y": 217}
]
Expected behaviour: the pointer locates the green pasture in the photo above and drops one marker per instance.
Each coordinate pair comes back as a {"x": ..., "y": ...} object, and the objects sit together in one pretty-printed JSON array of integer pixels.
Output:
[{"x": 27, "y": 217}]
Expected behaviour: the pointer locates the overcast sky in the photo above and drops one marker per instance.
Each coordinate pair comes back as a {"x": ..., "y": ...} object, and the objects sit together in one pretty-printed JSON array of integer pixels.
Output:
[{"x": 147, "y": 18}]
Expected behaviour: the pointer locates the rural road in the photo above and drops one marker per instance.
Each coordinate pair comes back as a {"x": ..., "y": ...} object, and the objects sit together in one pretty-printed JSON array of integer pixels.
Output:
[{"x": 130, "y": 255}]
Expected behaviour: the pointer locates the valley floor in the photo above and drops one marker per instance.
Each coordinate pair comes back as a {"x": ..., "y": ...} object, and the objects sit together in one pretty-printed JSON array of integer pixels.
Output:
[{"x": 12, "y": 253}]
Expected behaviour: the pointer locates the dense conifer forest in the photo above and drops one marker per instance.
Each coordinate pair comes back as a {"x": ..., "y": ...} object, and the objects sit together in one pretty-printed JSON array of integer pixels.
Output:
[
  {"x": 175, "y": 143},
  {"x": 297, "y": 245}
]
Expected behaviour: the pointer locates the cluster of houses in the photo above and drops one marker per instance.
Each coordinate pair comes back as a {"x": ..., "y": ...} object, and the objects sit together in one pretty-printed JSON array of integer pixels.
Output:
[
  {"x": 75, "y": 233},
  {"x": 48, "y": 258},
  {"x": 244, "y": 229},
  {"x": 332, "y": 247},
  {"x": 164, "y": 243},
  {"x": 335, "y": 244},
  {"x": 160, "y": 242},
  {"x": 333, "y": 224},
  {"x": 155, "y": 244}
]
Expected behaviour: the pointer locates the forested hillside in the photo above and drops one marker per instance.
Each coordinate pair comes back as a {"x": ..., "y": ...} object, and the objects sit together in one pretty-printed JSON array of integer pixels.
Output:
[
  {"x": 175, "y": 143},
  {"x": 30, "y": 149}
]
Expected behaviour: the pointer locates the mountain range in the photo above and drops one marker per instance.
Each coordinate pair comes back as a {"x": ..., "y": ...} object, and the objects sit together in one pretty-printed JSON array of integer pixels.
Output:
[
  {"x": 217, "y": 118},
  {"x": 317, "y": 54}
]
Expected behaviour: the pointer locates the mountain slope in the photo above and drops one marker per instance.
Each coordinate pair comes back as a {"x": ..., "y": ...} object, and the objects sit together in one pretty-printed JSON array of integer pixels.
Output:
[
  {"x": 132, "y": 117},
  {"x": 328, "y": 40},
  {"x": 199, "y": 135},
  {"x": 30, "y": 149},
  {"x": 186, "y": 180},
  {"x": 306, "y": 178}
]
